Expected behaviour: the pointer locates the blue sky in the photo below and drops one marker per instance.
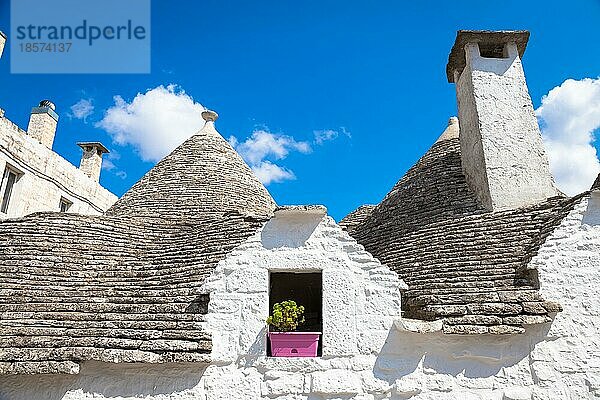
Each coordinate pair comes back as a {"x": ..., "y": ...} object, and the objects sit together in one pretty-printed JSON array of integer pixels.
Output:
[{"x": 367, "y": 79}]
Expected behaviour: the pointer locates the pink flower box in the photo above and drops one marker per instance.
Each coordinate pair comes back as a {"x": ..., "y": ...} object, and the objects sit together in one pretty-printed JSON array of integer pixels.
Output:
[{"x": 294, "y": 344}]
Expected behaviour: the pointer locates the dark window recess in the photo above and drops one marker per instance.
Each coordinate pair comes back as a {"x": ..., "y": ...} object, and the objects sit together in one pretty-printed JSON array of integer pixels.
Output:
[
  {"x": 9, "y": 179},
  {"x": 65, "y": 205},
  {"x": 306, "y": 289},
  {"x": 492, "y": 50}
]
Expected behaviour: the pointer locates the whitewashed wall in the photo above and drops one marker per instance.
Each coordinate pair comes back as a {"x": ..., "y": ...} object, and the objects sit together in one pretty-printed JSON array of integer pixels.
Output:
[
  {"x": 46, "y": 177},
  {"x": 567, "y": 365},
  {"x": 377, "y": 359},
  {"x": 503, "y": 155}
]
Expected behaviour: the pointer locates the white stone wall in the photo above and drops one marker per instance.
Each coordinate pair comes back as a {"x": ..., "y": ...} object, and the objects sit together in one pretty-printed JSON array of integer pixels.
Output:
[
  {"x": 360, "y": 297},
  {"x": 567, "y": 365},
  {"x": 46, "y": 177},
  {"x": 377, "y": 360},
  {"x": 502, "y": 151}
]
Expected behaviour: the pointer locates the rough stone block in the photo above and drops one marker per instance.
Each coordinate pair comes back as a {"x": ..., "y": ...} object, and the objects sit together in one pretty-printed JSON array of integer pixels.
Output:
[
  {"x": 248, "y": 280},
  {"x": 339, "y": 314},
  {"x": 372, "y": 384},
  {"x": 336, "y": 382},
  {"x": 371, "y": 342},
  {"x": 408, "y": 385},
  {"x": 517, "y": 393},
  {"x": 230, "y": 383},
  {"x": 283, "y": 383}
]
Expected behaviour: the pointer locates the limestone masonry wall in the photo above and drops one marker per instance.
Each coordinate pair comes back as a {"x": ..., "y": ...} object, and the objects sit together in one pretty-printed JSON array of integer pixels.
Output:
[
  {"x": 369, "y": 353},
  {"x": 46, "y": 177}
]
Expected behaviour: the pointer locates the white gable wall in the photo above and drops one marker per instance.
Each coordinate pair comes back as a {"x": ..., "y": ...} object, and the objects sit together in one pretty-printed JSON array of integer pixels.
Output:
[
  {"x": 567, "y": 365},
  {"x": 360, "y": 296}
]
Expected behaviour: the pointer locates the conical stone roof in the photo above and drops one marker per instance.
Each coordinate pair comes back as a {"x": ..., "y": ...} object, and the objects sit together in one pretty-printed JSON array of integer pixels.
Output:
[
  {"x": 128, "y": 286},
  {"x": 462, "y": 263},
  {"x": 202, "y": 175}
]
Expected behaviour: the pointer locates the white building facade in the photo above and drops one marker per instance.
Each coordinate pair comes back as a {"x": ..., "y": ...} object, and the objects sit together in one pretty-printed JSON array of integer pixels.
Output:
[{"x": 35, "y": 178}]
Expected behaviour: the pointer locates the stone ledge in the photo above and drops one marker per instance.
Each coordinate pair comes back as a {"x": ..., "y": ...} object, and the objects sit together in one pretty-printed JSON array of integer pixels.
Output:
[{"x": 418, "y": 326}]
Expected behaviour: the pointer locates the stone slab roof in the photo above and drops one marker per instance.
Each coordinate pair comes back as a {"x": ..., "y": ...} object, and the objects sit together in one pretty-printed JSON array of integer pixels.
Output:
[
  {"x": 75, "y": 288},
  {"x": 461, "y": 263},
  {"x": 356, "y": 217},
  {"x": 127, "y": 286}
]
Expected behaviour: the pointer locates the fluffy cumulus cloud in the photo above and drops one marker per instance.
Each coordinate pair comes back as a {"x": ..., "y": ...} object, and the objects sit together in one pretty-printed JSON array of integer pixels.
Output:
[
  {"x": 262, "y": 148},
  {"x": 82, "y": 109},
  {"x": 569, "y": 116},
  {"x": 155, "y": 122}
]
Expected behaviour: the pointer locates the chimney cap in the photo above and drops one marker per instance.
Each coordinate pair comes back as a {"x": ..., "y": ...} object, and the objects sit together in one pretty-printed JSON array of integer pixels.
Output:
[
  {"x": 97, "y": 145},
  {"x": 209, "y": 115},
  {"x": 48, "y": 104},
  {"x": 456, "y": 59}
]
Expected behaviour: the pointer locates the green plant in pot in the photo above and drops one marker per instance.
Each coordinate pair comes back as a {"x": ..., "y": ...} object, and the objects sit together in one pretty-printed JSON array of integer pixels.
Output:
[
  {"x": 284, "y": 320},
  {"x": 286, "y": 317}
]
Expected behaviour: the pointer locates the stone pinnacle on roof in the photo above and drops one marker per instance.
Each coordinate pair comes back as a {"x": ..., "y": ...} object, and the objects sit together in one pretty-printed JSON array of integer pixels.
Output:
[
  {"x": 451, "y": 131},
  {"x": 209, "y": 115}
]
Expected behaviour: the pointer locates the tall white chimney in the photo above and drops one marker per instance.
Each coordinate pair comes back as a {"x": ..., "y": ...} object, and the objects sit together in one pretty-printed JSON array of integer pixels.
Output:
[
  {"x": 503, "y": 155},
  {"x": 91, "y": 160},
  {"x": 42, "y": 123}
]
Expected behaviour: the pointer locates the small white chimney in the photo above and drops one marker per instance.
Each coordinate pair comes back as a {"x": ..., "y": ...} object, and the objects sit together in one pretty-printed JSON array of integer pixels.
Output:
[
  {"x": 503, "y": 156},
  {"x": 91, "y": 160},
  {"x": 42, "y": 123},
  {"x": 2, "y": 42}
]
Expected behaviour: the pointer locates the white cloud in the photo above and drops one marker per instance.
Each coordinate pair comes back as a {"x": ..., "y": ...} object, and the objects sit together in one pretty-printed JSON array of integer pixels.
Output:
[
  {"x": 232, "y": 141},
  {"x": 326, "y": 135},
  {"x": 155, "y": 122},
  {"x": 263, "y": 145},
  {"x": 569, "y": 115},
  {"x": 108, "y": 164},
  {"x": 267, "y": 172},
  {"x": 82, "y": 109}
]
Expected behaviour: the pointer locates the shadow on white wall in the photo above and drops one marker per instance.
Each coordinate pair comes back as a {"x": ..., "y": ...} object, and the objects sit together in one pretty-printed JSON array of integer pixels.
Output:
[{"x": 592, "y": 213}]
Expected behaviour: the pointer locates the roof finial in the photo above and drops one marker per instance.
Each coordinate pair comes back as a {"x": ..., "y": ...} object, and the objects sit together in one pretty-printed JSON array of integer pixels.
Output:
[
  {"x": 209, "y": 115},
  {"x": 451, "y": 131}
]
